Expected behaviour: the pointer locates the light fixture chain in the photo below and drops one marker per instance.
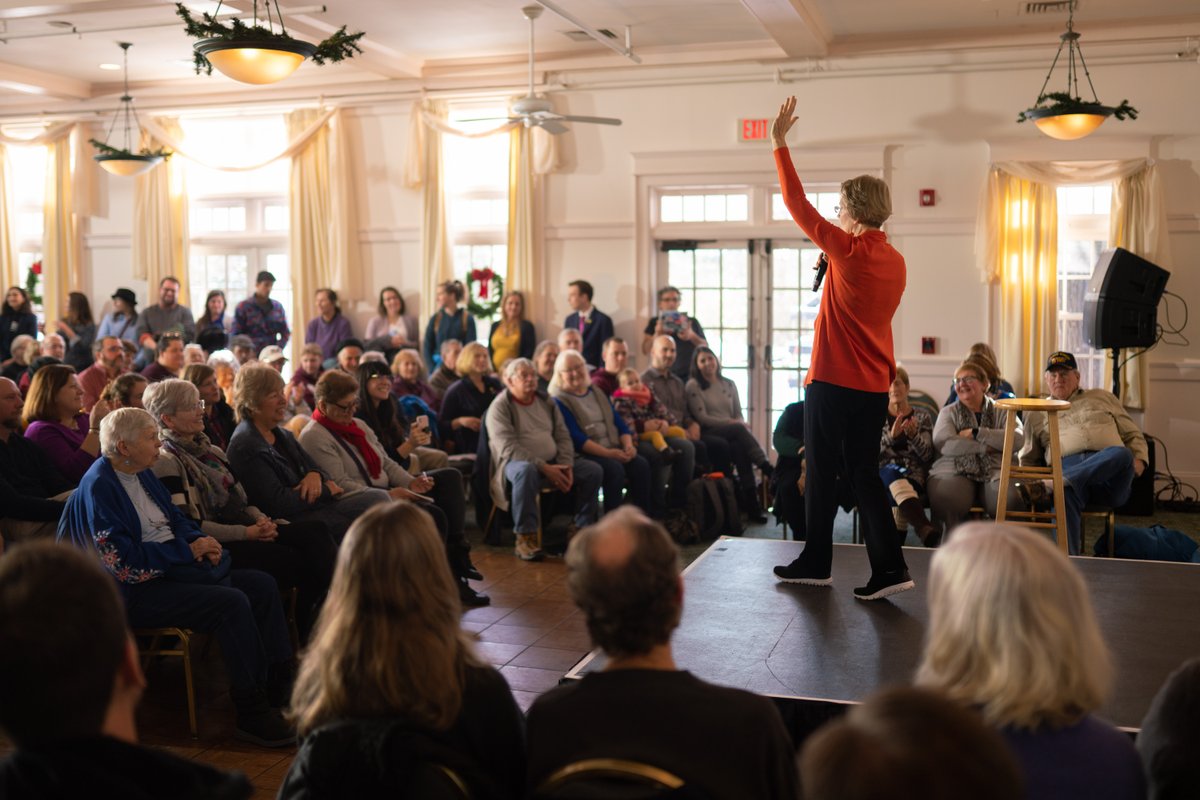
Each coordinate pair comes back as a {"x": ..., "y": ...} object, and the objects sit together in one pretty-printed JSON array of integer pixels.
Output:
[
  {"x": 1088, "y": 75},
  {"x": 1049, "y": 74},
  {"x": 278, "y": 15}
]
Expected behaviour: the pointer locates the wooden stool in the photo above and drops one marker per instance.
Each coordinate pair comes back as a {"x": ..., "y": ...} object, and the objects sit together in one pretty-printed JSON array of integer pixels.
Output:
[{"x": 1009, "y": 472}]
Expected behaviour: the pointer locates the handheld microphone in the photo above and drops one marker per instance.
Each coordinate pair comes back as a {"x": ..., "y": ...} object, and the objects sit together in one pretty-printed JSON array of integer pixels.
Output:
[{"x": 822, "y": 265}]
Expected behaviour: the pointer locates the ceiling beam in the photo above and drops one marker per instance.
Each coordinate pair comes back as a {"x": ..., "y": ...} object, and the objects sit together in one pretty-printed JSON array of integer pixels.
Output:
[
  {"x": 795, "y": 25},
  {"x": 41, "y": 83}
]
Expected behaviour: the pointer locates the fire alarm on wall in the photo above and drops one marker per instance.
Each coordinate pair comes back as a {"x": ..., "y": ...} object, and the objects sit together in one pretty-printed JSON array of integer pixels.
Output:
[
  {"x": 927, "y": 197},
  {"x": 928, "y": 345}
]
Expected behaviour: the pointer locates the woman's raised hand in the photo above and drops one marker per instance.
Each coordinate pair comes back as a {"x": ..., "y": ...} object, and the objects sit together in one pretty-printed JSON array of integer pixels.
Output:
[{"x": 783, "y": 122}]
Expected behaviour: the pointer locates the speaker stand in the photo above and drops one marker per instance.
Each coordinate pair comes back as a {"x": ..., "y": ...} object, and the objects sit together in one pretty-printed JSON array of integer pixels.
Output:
[{"x": 1116, "y": 389}]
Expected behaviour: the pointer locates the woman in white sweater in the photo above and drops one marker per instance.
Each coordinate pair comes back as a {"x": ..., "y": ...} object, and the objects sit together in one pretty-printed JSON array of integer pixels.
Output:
[{"x": 713, "y": 401}]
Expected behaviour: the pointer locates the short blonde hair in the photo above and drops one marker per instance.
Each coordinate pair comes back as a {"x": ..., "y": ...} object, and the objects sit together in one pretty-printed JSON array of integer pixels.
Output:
[
  {"x": 408, "y": 354},
  {"x": 253, "y": 383},
  {"x": 466, "y": 359},
  {"x": 1012, "y": 630},
  {"x": 867, "y": 200}
]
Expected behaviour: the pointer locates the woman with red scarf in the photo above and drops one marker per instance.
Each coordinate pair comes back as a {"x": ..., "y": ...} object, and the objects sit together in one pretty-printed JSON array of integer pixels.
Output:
[{"x": 349, "y": 452}]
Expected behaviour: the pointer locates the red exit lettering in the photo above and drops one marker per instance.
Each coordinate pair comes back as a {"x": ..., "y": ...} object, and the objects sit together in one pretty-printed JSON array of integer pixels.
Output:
[{"x": 753, "y": 130}]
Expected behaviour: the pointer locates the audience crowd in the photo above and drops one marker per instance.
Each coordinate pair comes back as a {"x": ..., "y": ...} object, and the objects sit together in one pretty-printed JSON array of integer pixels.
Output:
[{"x": 209, "y": 490}]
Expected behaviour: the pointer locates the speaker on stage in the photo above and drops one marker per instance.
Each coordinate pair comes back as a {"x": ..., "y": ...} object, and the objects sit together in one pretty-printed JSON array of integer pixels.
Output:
[{"x": 1120, "y": 308}]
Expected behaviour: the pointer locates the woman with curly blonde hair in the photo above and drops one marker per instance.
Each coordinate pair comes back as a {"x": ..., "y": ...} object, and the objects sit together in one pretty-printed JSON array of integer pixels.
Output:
[
  {"x": 391, "y": 679},
  {"x": 1012, "y": 633}
]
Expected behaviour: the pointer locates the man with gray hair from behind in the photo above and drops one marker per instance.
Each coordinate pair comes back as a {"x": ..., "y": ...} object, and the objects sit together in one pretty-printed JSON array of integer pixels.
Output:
[{"x": 624, "y": 574}]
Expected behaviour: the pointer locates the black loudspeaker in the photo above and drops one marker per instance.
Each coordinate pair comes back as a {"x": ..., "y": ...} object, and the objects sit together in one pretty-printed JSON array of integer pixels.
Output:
[{"x": 1120, "y": 308}]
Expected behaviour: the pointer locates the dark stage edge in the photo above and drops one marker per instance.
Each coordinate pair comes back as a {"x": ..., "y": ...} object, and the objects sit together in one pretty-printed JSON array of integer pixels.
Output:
[{"x": 820, "y": 648}]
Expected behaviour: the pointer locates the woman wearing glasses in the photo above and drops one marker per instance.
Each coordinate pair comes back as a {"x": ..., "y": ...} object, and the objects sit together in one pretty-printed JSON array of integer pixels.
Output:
[{"x": 969, "y": 439}]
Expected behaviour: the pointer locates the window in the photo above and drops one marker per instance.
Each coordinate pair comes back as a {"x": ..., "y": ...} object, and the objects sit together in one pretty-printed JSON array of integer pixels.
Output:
[
  {"x": 715, "y": 284},
  {"x": 27, "y": 171},
  {"x": 1083, "y": 213},
  {"x": 698, "y": 206},
  {"x": 825, "y": 202}
]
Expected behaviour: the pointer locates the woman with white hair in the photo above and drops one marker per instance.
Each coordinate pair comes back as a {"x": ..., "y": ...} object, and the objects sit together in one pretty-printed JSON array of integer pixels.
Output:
[
  {"x": 1012, "y": 633},
  {"x": 171, "y": 574},
  {"x": 297, "y": 555}
]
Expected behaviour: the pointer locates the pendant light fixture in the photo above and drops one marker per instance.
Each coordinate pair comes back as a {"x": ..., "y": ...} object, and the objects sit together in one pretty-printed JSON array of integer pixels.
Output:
[
  {"x": 256, "y": 54},
  {"x": 1065, "y": 115},
  {"x": 123, "y": 161}
]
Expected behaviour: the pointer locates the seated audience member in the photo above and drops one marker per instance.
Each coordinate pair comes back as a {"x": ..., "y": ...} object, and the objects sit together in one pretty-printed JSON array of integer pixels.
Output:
[
  {"x": 686, "y": 332},
  {"x": 985, "y": 356},
  {"x": 391, "y": 676},
  {"x": 122, "y": 321},
  {"x": 572, "y": 339},
  {"x": 126, "y": 391},
  {"x": 969, "y": 439},
  {"x": 348, "y": 452},
  {"x": 714, "y": 403},
  {"x": 594, "y": 326},
  {"x": 22, "y": 350},
  {"x": 905, "y": 453},
  {"x": 1102, "y": 448},
  {"x": 531, "y": 449},
  {"x": 16, "y": 319},
  {"x": 278, "y": 475},
  {"x": 169, "y": 360},
  {"x": 242, "y": 347},
  {"x": 600, "y": 435},
  {"x": 215, "y": 318},
  {"x": 467, "y": 400},
  {"x": 109, "y": 363},
  {"x": 442, "y": 377},
  {"x": 658, "y": 430},
  {"x": 544, "y": 356},
  {"x": 205, "y": 490},
  {"x": 34, "y": 366},
  {"x": 711, "y": 451},
  {"x": 194, "y": 354},
  {"x": 410, "y": 381},
  {"x": 788, "y": 439},
  {"x": 306, "y": 375},
  {"x": 906, "y": 742},
  {"x": 1169, "y": 739},
  {"x": 54, "y": 346},
  {"x": 70, "y": 683},
  {"x": 78, "y": 329},
  {"x": 172, "y": 574},
  {"x": 272, "y": 355},
  {"x": 614, "y": 356},
  {"x": 329, "y": 326},
  {"x": 513, "y": 335},
  {"x": 349, "y": 353},
  {"x": 218, "y": 417},
  {"x": 1036, "y": 672},
  {"x": 32, "y": 490},
  {"x": 450, "y": 321},
  {"x": 623, "y": 573},
  {"x": 392, "y": 328},
  {"x": 68, "y": 437},
  {"x": 404, "y": 440}
]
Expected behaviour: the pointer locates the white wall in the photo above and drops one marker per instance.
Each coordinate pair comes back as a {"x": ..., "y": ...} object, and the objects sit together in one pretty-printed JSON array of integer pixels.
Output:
[{"x": 933, "y": 131}]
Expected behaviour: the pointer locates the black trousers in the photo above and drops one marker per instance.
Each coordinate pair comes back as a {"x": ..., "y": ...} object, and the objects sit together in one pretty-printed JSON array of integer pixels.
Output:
[{"x": 841, "y": 434}]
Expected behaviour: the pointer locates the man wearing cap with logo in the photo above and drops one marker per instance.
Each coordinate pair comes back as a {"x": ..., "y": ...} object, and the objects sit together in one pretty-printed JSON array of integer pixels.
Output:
[
  {"x": 1102, "y": 448},
  {"x": 260, "y": 317}
]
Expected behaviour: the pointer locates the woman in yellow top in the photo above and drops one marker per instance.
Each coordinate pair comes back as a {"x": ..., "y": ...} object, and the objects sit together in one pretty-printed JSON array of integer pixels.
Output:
[{"x": 513, "y": 336}]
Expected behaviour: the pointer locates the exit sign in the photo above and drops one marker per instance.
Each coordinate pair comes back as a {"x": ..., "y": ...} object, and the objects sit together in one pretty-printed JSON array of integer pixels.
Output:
[{"x": 753, "y": 130}]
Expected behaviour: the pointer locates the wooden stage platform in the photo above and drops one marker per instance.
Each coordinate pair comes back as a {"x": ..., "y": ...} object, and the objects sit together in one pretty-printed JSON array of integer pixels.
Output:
[{"x": 820, "y": 645}]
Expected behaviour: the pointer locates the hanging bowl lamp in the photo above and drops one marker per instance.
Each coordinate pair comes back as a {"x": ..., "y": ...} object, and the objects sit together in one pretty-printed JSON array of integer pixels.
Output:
[
  {"x": 123, "y": 161},
  {"x": 256, "y": 54},
  {"x": 1065, "y": 115}
]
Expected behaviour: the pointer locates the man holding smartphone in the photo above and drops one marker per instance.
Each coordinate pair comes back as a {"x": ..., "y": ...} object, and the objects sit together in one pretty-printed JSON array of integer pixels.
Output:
[{"x": 688, "y": 333}]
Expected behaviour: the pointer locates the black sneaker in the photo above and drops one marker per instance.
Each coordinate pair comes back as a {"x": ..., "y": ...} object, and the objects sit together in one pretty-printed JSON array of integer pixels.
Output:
[
  {"x": 795, "y": 573},
  {"x": 265, "y": 727},
  {"x": 471, "y": 598},
  {"x": 880, "y": 587}
]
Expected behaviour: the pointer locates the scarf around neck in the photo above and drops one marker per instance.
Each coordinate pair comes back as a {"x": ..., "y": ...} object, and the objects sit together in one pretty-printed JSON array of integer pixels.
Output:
[
  {"x": 976, "y": 466},
  {"x": 355, "y": 436},
  {"x": 640, "y": 396},
  {"x": 211, "y": 488}
]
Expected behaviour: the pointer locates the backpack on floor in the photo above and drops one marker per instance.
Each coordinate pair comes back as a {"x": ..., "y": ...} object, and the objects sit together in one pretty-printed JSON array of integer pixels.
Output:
[{"x": 711, "y": 504}]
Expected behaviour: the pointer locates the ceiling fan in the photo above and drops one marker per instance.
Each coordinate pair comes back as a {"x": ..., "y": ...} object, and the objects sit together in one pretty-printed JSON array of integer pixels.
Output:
[{"x": 536, "y": 112}]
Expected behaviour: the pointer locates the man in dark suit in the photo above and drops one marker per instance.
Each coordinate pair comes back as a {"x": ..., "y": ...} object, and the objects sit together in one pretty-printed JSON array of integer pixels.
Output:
[{"x": 593, "y": 324}]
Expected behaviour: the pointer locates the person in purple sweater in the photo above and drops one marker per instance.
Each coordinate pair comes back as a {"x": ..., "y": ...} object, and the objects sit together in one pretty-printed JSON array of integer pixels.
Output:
[
  {"x": 1012, "y": 633},
  {"x": 54, "y": 422},
  {"x": 329, "y": 326}
]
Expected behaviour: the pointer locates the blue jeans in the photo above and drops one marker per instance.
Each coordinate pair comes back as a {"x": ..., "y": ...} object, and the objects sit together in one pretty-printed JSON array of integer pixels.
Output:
[
  {"x": 245, "y": 614},
  {"x": 1103, "y": 476},
  {"x": 527, "y": 482}
]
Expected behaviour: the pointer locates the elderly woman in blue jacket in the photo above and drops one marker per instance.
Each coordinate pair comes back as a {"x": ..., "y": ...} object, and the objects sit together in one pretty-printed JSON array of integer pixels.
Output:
[{"x": 171, "y": 574}]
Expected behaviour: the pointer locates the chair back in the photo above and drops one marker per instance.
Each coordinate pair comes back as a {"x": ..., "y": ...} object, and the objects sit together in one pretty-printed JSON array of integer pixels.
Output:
[{"x": 612, "y": 778}]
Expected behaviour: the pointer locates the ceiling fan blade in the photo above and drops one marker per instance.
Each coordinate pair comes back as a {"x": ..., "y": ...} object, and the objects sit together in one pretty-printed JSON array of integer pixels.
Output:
[
  {"x": 551, "y": 126},
  {"x": 492, "y": 119},
  {"x": 598, "y": 120}
]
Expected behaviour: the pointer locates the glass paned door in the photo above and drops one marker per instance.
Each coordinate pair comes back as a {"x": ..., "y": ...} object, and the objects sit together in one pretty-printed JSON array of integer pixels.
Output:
[{"x": 792, "y": 311}]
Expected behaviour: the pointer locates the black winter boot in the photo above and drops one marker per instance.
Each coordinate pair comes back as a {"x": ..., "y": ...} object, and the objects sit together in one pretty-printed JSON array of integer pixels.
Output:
[{"x": 258, "y": 723}]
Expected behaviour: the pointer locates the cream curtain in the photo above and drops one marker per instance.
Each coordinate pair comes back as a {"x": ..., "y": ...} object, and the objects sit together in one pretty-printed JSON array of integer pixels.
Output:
[
  {"x": 1019, "y": 234},
  {"x": 524, "y": 271},
  {"x": 160, "y": 217},
  {"x": 9, "y": 273},
  {"x": 1138, "y": 223},
  {"x": 68, "y": 200},
  {"x": 423, "y": 170}
]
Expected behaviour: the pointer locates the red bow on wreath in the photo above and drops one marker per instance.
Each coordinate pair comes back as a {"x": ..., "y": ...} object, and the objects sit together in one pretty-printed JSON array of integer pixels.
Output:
[{"x": 483, "y": 276}]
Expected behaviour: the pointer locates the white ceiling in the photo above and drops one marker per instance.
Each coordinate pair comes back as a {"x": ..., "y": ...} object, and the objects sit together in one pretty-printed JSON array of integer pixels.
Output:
[{"x": 50, "y": 53}]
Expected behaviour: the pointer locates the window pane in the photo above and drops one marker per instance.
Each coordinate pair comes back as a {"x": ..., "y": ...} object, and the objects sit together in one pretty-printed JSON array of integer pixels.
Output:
[
  {"x": 693, "y": 208},
  {"x": 785, "y": 389},
  {"x": 778, "y": 209},
  {"x": 785, "y": 350},
  {"x": 1103, "y": 200},
  {"x": 275, "y": 217},
  {"x": 741, "y": 379},
  {"x": 672, "y": 208},
  {"x": 785, "y": 309},
  {"x": 714, "y": 208},
  {"x": 785, "y": 268},
  {"x": 734, "y": 351},
  {"x": 708, "y": 305},
  {"x": 737, "y": 208},
  {"x": 680, "y": 271},
  {"x": 1075, "y": 200},
  {"x": 244, "y": 140},
  {"x": 237, "y": 218},
  {"x": 827, "y": 202},
  {"x": 734, "y": 309},
  {"x": 733, "y": 270},
  {"x": 708, "y": 267}
]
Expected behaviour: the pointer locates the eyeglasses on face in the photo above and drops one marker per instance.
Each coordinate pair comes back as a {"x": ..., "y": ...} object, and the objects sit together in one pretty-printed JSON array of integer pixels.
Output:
[
  {"x": 965, "y": 379},
  {"x": 348, "y": 407}
]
